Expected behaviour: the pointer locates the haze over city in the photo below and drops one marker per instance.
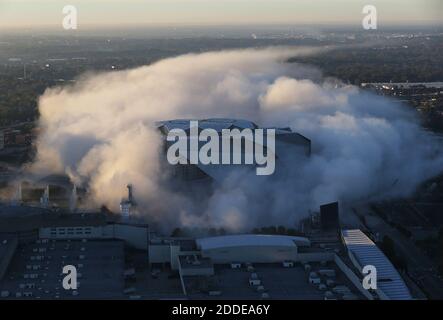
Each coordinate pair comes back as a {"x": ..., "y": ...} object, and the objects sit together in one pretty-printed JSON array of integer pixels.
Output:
[
  {"x": 120, "y": 13},
  {"x": 231, "y": 150}
]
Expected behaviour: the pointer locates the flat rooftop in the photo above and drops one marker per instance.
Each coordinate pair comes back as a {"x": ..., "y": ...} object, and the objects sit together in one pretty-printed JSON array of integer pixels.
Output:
[
  {"x": 23, "y": 218},
  {"x": 185, "y": 244},
  {"x": 36, "y": 270},
  {"x": 278, "y": 282},
  {"x": 366, "y": 252},
  {"x": 242, "y": 240},
  {"x": 5, "y": 243}
]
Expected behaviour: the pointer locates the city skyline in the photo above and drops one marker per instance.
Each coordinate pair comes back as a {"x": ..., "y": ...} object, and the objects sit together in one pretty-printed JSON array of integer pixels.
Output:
[{"x": 115, "y": 13}]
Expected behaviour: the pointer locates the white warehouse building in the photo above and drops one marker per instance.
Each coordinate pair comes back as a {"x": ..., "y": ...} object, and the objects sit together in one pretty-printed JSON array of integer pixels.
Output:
[{"x": 251, "y": 248}]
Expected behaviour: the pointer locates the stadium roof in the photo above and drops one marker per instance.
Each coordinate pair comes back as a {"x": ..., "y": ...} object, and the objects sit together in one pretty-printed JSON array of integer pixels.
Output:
[
  {"x": 285, "y": 143},
  {"x": 367, "y": 253},
  {"x": 250, "y": 240},
  {"x": 217, "y": 124}
]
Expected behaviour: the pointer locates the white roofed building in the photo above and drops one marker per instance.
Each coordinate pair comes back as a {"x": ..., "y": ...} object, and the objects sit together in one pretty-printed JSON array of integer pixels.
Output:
[
  {"x": 362, "y": 251},
  {"x": 251, "y": 248}
]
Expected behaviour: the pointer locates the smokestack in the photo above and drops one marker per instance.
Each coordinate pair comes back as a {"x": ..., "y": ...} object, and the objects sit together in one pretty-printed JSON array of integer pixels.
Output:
[
  {"x": 127, "y": 205},
  {"x": 18, "y": 195},
  {"x": 129, "y": 186},
  {"x": 73, "y": 199},
  {"x": 44, "y": 200}
]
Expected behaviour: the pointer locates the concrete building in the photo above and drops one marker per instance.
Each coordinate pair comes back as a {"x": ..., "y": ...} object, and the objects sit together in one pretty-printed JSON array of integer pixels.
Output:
[
  {"x": 166, "y": 251},
  {"x": 134, "y": 235},
  {"x": 203, "y": 262},
  {"x": 229, "y": 249},
  {"x": 32, "y": 223}
]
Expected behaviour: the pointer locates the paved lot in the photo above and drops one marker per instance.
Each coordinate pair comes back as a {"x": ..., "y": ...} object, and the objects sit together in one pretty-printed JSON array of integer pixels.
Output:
[{"x": 36, "y": 270}]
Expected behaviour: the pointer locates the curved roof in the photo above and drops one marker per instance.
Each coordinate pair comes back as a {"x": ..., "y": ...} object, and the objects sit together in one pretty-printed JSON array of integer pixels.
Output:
[
  {"x": 367, "y": 253},
  {"x": 245, "y": 240},
  {"x": 217, "y": 124}
]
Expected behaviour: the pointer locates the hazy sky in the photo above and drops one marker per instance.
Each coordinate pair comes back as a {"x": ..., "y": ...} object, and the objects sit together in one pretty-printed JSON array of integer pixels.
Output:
[{"x": 32, "y": 13}]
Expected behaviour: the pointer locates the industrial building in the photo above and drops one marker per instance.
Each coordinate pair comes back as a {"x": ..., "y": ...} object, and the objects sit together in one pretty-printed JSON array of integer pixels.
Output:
[
  {"x": 241, "y": 266},
  {"x": 28, "y": 224},
  {"x": 362, "y": 251},
  {"x": 251, "y": 248},
  {"x": 37, "y": 243},
  {"x": 208, "y": 265}
]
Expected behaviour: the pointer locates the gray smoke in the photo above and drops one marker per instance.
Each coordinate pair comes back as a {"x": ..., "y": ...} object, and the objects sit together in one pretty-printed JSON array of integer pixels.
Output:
[{"x": 99, "y": 131}]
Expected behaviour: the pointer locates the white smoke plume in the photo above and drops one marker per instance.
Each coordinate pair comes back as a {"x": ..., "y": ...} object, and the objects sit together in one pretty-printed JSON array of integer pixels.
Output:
[{"x": 99, "y": 131}]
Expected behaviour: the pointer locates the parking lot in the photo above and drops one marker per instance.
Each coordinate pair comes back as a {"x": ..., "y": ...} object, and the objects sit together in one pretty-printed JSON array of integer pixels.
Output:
[{"x": 37, "y": 270}]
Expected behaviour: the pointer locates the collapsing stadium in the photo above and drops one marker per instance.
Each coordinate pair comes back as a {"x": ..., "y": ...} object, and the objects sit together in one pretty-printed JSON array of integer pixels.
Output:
[{"x": 288, "y": 146}]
